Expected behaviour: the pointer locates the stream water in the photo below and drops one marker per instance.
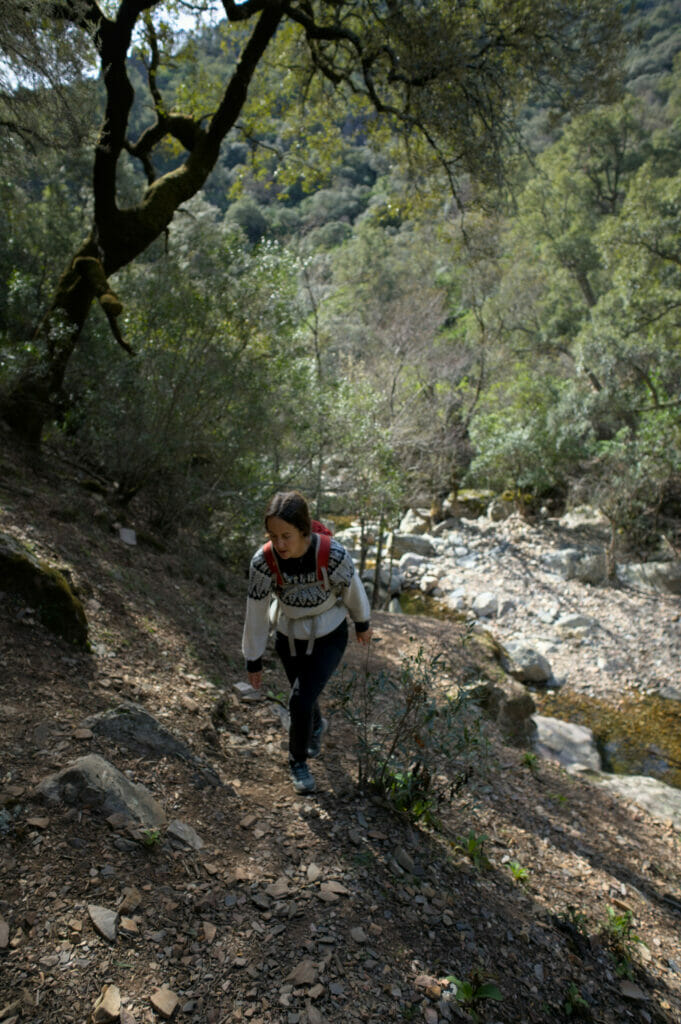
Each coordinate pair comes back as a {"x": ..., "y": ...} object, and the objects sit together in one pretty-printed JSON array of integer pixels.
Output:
[{"x": 637, "y": 735}]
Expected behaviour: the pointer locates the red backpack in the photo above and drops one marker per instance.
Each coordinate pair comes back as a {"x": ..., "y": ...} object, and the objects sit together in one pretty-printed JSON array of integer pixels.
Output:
[{"x": 322, "y": 559}]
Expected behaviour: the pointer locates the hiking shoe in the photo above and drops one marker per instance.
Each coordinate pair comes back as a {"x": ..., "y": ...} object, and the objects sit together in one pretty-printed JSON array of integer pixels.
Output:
[
  {"x": 301, "y": 778},
  {"x": 315, "y": 744}
]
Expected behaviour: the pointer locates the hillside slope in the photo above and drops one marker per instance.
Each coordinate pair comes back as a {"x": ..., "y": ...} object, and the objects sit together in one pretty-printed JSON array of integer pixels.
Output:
[{"x": 295, "y": 909}]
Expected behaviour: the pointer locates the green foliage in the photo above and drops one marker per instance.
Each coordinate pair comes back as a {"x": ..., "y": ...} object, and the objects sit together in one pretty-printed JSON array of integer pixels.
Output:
[
  {"x": 575, "y": 1006},
  {"x": 530, "y": 760},
  {"x": 474, "y": 991},
  {"x": 151, "y": 837},
  {"x": 576, "y": 920},
  {"x": 411, "y": 744},
  {"x": 473, "y": 845},
  {"x": 619, "y": 936},
  {"x": 186, "y": 425},
  {"x": 520, "y": 874},
  {"x": 526, "y": 435}
]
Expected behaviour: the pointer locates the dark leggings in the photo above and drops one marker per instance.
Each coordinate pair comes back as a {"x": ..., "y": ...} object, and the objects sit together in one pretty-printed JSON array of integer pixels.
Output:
[{"x": 308, "y": 674}]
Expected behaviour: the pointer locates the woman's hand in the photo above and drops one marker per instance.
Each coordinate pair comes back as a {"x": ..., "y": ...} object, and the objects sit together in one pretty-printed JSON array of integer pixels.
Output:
[
  {"x": 255, "y": 679},
  {"x": 364, "y": 637}
]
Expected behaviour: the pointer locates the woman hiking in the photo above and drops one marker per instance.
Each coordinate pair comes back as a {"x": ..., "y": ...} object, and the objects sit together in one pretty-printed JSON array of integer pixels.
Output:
[{"x": 315, "y": 583}]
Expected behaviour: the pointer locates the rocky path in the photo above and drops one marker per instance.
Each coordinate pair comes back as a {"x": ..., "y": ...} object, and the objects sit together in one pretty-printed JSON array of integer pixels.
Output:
[{"x": 253, "y": 904}]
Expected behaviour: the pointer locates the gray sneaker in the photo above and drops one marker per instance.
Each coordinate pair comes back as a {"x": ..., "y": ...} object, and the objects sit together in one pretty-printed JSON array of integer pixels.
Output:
[
  {"x": 301, "y": 778},
  {"x": 315, "y": 744}
]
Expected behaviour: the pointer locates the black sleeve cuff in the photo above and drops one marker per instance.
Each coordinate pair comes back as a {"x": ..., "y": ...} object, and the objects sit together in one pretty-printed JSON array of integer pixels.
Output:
[
  {"x": 361, "y": 627},
  {"x": 254, "y": 666}
]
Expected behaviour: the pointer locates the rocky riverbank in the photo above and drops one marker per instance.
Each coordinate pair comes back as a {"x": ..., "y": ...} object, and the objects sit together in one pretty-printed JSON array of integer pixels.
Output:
[{"x": 591, "y": 649}]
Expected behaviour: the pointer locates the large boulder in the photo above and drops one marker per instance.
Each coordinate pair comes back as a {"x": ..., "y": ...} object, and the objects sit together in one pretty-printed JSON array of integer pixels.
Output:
[
  {"x": 509, "y": 705},
  {"x": 525, "y": 663},
  {"x": 403, "y": 543},
  {"x": 470, "y": 504},
  {"x": 93, "y": 782},
  {"x": 588, "y": 565},
  {"x": 131, "y": 726},
  {"x": 660, "y": 801},
  {"x": 44, "y": 588},
  {"x": 415, "y": 521},
  {"x": 658, "y": 577},
  {"x": 566, "y": 742}
]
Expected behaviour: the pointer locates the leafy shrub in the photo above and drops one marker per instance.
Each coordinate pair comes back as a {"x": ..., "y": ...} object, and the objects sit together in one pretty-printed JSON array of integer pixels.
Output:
[
  {"x": 618, "y": 935},
  {"x": 412, "y": 744}
]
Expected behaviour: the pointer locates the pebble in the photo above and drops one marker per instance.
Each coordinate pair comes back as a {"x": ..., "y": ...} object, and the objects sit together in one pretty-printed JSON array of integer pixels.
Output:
[
  {"x": 105, "y": 921},
  {"x": 108, "y": 1006},
  {"x": 164, "y": 1002}
]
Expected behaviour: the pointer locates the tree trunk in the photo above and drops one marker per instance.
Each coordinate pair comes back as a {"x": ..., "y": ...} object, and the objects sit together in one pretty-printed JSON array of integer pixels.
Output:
[
  {"x": 31, "y": 401},
  {"x": 120, "y": 234}
]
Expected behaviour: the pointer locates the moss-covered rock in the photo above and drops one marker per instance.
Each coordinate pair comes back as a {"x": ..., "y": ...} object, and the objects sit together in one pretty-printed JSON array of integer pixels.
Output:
[
  {"x": 470, "y": 504},
  {"x": 44, "y": 588}
]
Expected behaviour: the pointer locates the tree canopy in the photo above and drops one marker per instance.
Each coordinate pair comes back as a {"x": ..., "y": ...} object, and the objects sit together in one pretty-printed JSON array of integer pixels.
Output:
[{"x": 447, "y": 78}]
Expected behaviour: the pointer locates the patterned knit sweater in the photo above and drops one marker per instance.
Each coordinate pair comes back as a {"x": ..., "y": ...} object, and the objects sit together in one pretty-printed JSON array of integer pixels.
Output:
[{"x": 304, "y": 595}]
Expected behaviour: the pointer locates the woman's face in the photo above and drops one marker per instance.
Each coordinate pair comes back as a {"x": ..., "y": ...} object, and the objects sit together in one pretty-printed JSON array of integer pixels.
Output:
[{"x": 287, "y": 540}]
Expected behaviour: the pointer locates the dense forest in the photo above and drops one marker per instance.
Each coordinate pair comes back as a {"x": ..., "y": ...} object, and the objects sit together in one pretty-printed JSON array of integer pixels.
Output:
[{"x": 346, "y": 304}]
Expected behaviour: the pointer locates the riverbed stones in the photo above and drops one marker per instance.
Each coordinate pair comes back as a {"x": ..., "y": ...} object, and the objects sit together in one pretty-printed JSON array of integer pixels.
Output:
[
  {"x": 485, "y": 604},
  {"x": 415, "y": 521}
]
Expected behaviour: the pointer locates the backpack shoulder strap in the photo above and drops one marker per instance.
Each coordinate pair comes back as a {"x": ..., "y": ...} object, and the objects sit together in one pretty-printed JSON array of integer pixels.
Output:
[
  {"x": 323, "y": 549},
  {"x": 269, "y": 557}
]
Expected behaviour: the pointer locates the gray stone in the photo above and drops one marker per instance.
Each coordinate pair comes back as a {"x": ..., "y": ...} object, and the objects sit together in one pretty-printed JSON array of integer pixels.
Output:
[
  {"x": 164, "y": 1002},
  {"x": 587, "y": 566},
  {"x": 93, "y": 782},
  {"x": 105, "y": 921},
  {"x": 414, "y": 521},
  {"x": 133, "y": 727},
  {"x": 246, "y": 692},
  {"x": 526, "y": 663},
  {"x": 455, "y": 601},
  {"x": 507, "y": 703},
  {"x": 500, "y": 509},
  {"x": 404, "y": 860},
  {"x": 658, "y": 577},
  {"x": 660, "y": 801},
  {"x": 566, "y": 742},
  {"x": 446, "y": 526},
  {"x": 185, "y": 834},
  {"x": 108, "y": 1006},
  {"x": 575, "y": 623},
  {"x": 411, "y": 560},
  {"x": 485, "y": 605},
  {"x": 403, "y": 543}
]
